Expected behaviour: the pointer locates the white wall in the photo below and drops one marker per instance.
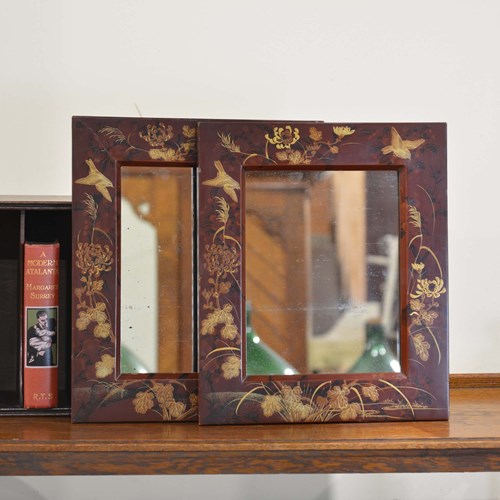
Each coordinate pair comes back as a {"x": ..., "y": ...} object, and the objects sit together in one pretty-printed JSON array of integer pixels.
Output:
[{"x": 337, "y": 61}]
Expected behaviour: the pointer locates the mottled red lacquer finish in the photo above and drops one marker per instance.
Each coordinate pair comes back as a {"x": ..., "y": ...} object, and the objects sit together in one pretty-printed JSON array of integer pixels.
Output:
[
  {"x": 417, "y": 151},
  {"x": 99, "y": 392}
]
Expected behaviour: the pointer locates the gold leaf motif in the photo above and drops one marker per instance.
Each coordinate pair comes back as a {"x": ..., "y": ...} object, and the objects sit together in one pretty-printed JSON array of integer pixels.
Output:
[
  {"x": 224, "y": 287},
  {"x": 163, "y": 392},
  {"x": 399, "y": 147},
  {"x": 351, "y": 411},
  {"x": 421, "y": 346},
  {"x": 209, "y": 323},
  {"x": 105, "y": 367},
  {"x": 188, "y": 132},
  {"x": 83, "y": 321},
  {"x": 315, "y": 134},
  {"x": 167, "y": 154},
  {"x": 283, "y": 137},
  {"x": 176, "y": 408},
  {"x": 102, "y": 330},
  {"x": 143, "y": 402},
  {"x": 371, "y": 392},
  {"x": 337, "y": 397},
  {"x": 96, "y": 179},
  {"x": 271, "y": 405},
  {"x": 231, "y": 367},
  {"x": 229, "y": 332}
]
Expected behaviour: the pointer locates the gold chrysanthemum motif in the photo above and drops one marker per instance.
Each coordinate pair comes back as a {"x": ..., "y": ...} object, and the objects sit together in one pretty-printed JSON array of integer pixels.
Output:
[
  {"x": 221, "y": 260},
  {"x": 342, "y": 132},
  {"x": 93, "y": 259},
  {"x": 157, "y": 136},
  {"x": 283, "y": 137},
  {"x": 430, "y": 288}
]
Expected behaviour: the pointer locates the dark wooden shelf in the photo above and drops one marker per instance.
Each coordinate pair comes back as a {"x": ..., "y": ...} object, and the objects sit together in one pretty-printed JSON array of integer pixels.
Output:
[{"x": 469, "y": 441}]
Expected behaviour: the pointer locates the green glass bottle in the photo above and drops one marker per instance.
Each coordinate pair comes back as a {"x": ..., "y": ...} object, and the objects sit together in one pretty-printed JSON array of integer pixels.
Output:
[
  {"x": 261, "y": 359},
  {"x": 378, "y": 356}
]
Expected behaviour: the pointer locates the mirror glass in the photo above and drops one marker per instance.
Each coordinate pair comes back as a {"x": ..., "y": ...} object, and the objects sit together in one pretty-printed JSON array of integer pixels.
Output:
[
  {"x": 322, "y": 271},
  {"x": 156, "y": 269}
]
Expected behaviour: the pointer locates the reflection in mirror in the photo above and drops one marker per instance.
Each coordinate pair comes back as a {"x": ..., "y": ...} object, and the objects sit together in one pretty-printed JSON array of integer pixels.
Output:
[
  {"x": 322, "y": 271},
  {"x": 156, "y": 273}
]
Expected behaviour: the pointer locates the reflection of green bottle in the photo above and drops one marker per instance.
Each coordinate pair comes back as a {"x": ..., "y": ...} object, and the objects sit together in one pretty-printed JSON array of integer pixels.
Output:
[
  {"x": 130, "y": 363},
  {"x": 378, "y": 356},
  {"x": 261, "y": 359}
]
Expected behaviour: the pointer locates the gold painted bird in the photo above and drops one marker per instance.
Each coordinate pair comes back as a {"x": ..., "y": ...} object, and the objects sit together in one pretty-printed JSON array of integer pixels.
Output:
[
  {"x": 97, "y": 179},
  {"x": 399, "y": 147},
  {"x": 227, "y": 183}
]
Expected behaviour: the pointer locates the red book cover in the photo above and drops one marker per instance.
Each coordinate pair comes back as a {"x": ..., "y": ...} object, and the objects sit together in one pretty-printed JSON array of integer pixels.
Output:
[{"x": 41, "y": 307}]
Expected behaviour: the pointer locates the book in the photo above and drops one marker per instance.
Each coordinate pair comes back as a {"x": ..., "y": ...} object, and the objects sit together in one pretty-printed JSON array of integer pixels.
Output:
[{"x": 41, "y": 308}]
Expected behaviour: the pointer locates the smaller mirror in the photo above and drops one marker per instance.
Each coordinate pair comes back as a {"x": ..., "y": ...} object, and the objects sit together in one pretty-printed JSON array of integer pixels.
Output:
[
  {"x": 322, "y": 271},
  {"x": 156, "y": 223}
]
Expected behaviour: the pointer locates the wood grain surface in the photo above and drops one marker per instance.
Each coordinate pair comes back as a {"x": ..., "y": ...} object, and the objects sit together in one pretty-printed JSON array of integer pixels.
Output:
[{"x": 469, "y": 441}]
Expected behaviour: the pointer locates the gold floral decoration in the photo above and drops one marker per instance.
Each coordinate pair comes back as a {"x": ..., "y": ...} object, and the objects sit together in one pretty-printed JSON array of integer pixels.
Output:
[
  {"x": 163, "y": 145},
  {"x": 105, "y": 366},
  {"x": 160, "y": 399},
  {"x": 188, "y": 132},
  {"x": 231, "y": 367},
  {"x": 430, "y": 288},
  {"x": 421, "y": 346},
  {"x": 167, "y": 154},
  {"x": 93, "y": 259},
  {"x": 283, "y": 137},
  {"x": 424, "y": 295},
  {"x": 315, "y": 134},
  {"x": 342, "y": 132},
  {"x": 157, "y": 135}
]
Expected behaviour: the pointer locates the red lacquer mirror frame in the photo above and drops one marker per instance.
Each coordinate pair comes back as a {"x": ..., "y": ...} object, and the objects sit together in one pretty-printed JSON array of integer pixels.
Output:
[
  {"x": 99, "y": 392},
  {"x": 417, "y": 151}
]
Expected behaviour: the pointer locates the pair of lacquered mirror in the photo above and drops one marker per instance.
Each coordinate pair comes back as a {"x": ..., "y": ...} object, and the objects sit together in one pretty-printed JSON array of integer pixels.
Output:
[{"x": 250, "y": 272}]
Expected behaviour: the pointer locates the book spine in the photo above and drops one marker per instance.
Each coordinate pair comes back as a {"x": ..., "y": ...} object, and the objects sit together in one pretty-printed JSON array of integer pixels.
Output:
[{"x": 40, "y": 325}]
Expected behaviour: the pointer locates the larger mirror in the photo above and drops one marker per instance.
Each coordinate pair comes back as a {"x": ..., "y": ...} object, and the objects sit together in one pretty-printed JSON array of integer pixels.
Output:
[{"x": 322, "y": 271}]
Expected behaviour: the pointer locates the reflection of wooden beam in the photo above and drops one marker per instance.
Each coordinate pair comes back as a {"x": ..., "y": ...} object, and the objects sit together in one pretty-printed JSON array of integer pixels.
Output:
[
  {"x": 350, "y": 228},
  {"x": 278, "y": 266}
]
